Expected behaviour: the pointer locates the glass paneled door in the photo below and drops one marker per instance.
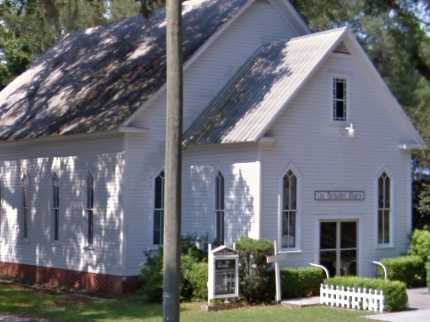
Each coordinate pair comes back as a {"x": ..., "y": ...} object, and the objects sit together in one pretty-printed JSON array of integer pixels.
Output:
[{"x": 339, "y": 247}]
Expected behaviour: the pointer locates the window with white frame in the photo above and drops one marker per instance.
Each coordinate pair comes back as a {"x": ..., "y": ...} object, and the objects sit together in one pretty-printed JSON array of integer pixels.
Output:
[
  {"x": 55, "y": 207},
  {"x": 339, "y": 99},
  {"x": 25, "y": 207},
  {"x": 158, "y": 209},
  {"x": 219, "y": 207},
  {"x": 384, "y": 209},
  {"x": 289, "y": 210},
  {"x": 90, "y": 209}
]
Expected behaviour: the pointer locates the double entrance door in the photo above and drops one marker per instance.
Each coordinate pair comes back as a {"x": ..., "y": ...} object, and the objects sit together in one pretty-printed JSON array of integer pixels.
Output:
[{"x": 339, "y": 247}]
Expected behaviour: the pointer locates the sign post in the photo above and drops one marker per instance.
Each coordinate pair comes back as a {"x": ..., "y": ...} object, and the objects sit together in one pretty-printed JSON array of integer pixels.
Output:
[
  {"x": 276, "y": 259},
  {"x": 223, "y": 275}
]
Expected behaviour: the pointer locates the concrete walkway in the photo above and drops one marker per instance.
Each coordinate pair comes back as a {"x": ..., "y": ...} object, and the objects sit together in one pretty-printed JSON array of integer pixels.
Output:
[{"x": 419, "y": 303}]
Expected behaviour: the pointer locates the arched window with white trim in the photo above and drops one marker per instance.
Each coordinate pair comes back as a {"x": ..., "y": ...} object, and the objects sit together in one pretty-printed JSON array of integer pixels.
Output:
[
  {"x": 219, "y": 207},
  {"x": 90, "y": 209},
  {"x": 158, "y": 209},
  {"x": 289, "y": 210},
  {"x": 384, "y": 209},
  {"x": 24, "y": 221},
  {"x": 55, "y": 207}
]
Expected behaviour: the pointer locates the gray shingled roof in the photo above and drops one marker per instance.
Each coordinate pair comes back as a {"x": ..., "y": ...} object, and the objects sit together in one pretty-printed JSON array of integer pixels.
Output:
[
  {"x": 245, "y": 108},
  {"x": 92, "y": 81}
]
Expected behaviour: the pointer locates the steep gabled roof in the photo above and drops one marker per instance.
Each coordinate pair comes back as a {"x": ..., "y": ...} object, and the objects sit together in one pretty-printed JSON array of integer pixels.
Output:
[
  {"x": 243, "y": 110},
  {"x": 92, "y": 81},
  {"x": 247, "y": 107}
]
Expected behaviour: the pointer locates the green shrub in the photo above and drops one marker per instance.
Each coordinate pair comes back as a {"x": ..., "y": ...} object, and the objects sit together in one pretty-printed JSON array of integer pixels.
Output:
[
  {"x": 151, "y": 275},
  {"x": 428, "y": 274},
  {"x": 396, "y": 298},
  {"x": 193, "y": 268},
  {"x": 197, "y": 277},
  {"x": 301, "y": 282},
  {"x": 257, "y": 280},
  {"x": 420, "y": 244},
  {"x": 407, "y": 269}
]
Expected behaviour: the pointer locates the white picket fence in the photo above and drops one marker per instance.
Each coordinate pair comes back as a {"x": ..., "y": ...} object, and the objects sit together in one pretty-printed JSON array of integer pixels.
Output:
[{"x": 352, "y": 298}]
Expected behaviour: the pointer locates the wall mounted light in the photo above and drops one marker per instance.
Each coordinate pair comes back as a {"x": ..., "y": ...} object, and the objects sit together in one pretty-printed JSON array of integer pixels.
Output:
[{"x": 350, "y": 129}]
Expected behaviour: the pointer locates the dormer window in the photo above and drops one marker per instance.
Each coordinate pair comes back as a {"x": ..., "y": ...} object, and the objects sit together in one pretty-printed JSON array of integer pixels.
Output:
[{"x": 339, "y": 99}]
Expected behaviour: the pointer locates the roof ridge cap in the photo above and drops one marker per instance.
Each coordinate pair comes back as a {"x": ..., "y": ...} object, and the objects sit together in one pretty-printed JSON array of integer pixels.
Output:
[{"x": 319, "y": 33}]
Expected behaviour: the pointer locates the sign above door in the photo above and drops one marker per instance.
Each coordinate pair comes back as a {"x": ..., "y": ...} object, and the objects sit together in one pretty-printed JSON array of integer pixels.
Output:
[{"x": 339, "y": 195}]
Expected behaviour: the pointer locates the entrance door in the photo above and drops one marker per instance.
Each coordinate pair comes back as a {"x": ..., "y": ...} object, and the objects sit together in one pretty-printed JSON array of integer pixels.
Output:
[{"x": 338, "y": 247}]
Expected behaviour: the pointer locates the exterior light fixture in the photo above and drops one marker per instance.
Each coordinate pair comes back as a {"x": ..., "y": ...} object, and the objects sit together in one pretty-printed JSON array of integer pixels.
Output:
[{"x": 350, "y": 129}]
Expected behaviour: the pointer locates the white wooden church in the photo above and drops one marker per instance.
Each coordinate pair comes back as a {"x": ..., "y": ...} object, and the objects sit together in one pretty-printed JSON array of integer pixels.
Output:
[{"x": 290, "y": 136}]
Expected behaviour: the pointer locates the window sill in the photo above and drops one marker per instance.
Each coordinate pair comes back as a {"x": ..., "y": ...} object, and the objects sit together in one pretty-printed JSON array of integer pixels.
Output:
[
  {"x": 24, "y": 242},
  {"x": 89, "y": 248},
  {"x": 339, "y": 124},
  {"x": 384, "y": 246},
  {"x": 290, "y": 251}
]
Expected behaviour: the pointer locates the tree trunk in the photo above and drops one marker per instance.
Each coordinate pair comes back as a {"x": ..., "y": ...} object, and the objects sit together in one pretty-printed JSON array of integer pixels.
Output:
[{"x": 173, "y": 166}]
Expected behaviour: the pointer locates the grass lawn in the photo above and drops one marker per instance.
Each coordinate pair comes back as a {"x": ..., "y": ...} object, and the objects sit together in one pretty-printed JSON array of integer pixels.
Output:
[{"x": 26, "y": 302}]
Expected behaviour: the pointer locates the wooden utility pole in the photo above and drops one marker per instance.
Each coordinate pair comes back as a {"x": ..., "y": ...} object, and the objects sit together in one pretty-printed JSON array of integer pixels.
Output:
[{"x": 173, "y": 166}]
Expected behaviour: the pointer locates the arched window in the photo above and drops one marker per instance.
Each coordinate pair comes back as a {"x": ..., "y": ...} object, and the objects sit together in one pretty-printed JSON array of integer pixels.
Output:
[
  {"x": 90, "y": 209},
  {"x": 289, "y": 210},
  {"x": 159, "y": 209},
  {"x": 384, "y": 209},
  {"x": 25, "y": 210},
  {"x": 55, "y": 207},
  {"x": 219, "y": 207}
]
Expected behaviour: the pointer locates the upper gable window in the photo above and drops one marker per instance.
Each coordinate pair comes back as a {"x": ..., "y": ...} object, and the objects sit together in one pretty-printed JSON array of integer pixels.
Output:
[{"x": 339, "y": 99}]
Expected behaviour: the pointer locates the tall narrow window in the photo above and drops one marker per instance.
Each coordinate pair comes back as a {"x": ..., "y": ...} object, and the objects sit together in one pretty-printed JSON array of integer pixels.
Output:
[
  {"x": 339, "y": 99},
  {"x": 90, "y": 209},
  {"x": 159, "y": 209},
  {"x": 384, "y": 209},
  {"x": 55, "y": 207},
  {"x": 289, "y": 210},
  {"x": 219, "y": 207},
  {"x": 25, "y": 210}
]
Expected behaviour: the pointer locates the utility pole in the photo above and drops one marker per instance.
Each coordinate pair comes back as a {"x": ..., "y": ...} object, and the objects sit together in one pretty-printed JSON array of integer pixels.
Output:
[{"x": 173, "y": 166}]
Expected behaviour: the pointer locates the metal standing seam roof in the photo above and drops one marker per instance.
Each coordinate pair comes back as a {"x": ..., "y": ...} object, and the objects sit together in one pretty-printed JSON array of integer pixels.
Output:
[
  {"x": 247, "y": 105},
  {"x": 94, "y": 80}
]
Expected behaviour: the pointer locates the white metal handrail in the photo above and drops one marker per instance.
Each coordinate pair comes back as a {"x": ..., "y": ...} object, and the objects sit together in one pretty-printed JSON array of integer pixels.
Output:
[
  {"x": 383, "y": 267},
  {"x": 322, "y": 267}
]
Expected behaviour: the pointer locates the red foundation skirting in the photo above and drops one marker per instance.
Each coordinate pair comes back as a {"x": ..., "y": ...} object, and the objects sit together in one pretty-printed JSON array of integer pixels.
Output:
[{"x": 57, "y": 277}]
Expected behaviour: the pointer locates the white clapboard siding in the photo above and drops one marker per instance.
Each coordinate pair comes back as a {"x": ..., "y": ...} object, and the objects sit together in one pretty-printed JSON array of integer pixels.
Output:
[
  {"x": 260, "y": 24},
  {"x": 71, "y": 160},
  {"x": 325, "y": 158},
  {"x": 352, "y": 298}
]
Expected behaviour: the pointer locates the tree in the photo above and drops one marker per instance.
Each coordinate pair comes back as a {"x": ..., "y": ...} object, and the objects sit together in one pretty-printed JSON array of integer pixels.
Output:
[
  {"x": 30, "y": 27},
  {"x": 173, "y": 163}
]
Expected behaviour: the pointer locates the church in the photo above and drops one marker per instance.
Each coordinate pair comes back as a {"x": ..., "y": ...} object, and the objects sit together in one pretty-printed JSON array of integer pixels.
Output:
[{"x": 289, "y": 135}]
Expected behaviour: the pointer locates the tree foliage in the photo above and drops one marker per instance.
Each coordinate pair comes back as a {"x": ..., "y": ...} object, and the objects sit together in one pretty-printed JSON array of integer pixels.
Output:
[{"x": 29, "y": 27}]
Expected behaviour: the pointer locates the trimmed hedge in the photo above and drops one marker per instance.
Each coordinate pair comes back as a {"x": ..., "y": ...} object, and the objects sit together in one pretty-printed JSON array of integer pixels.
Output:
[
  {"x": 407, "y": 269},
  {"x": 301, "y": 282},
  {"x": 257, "y": 280},
  {"x": 396, "y": 297},
  {"x": 428, "y": 274},
  {"x": 420, "y": 244}
]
